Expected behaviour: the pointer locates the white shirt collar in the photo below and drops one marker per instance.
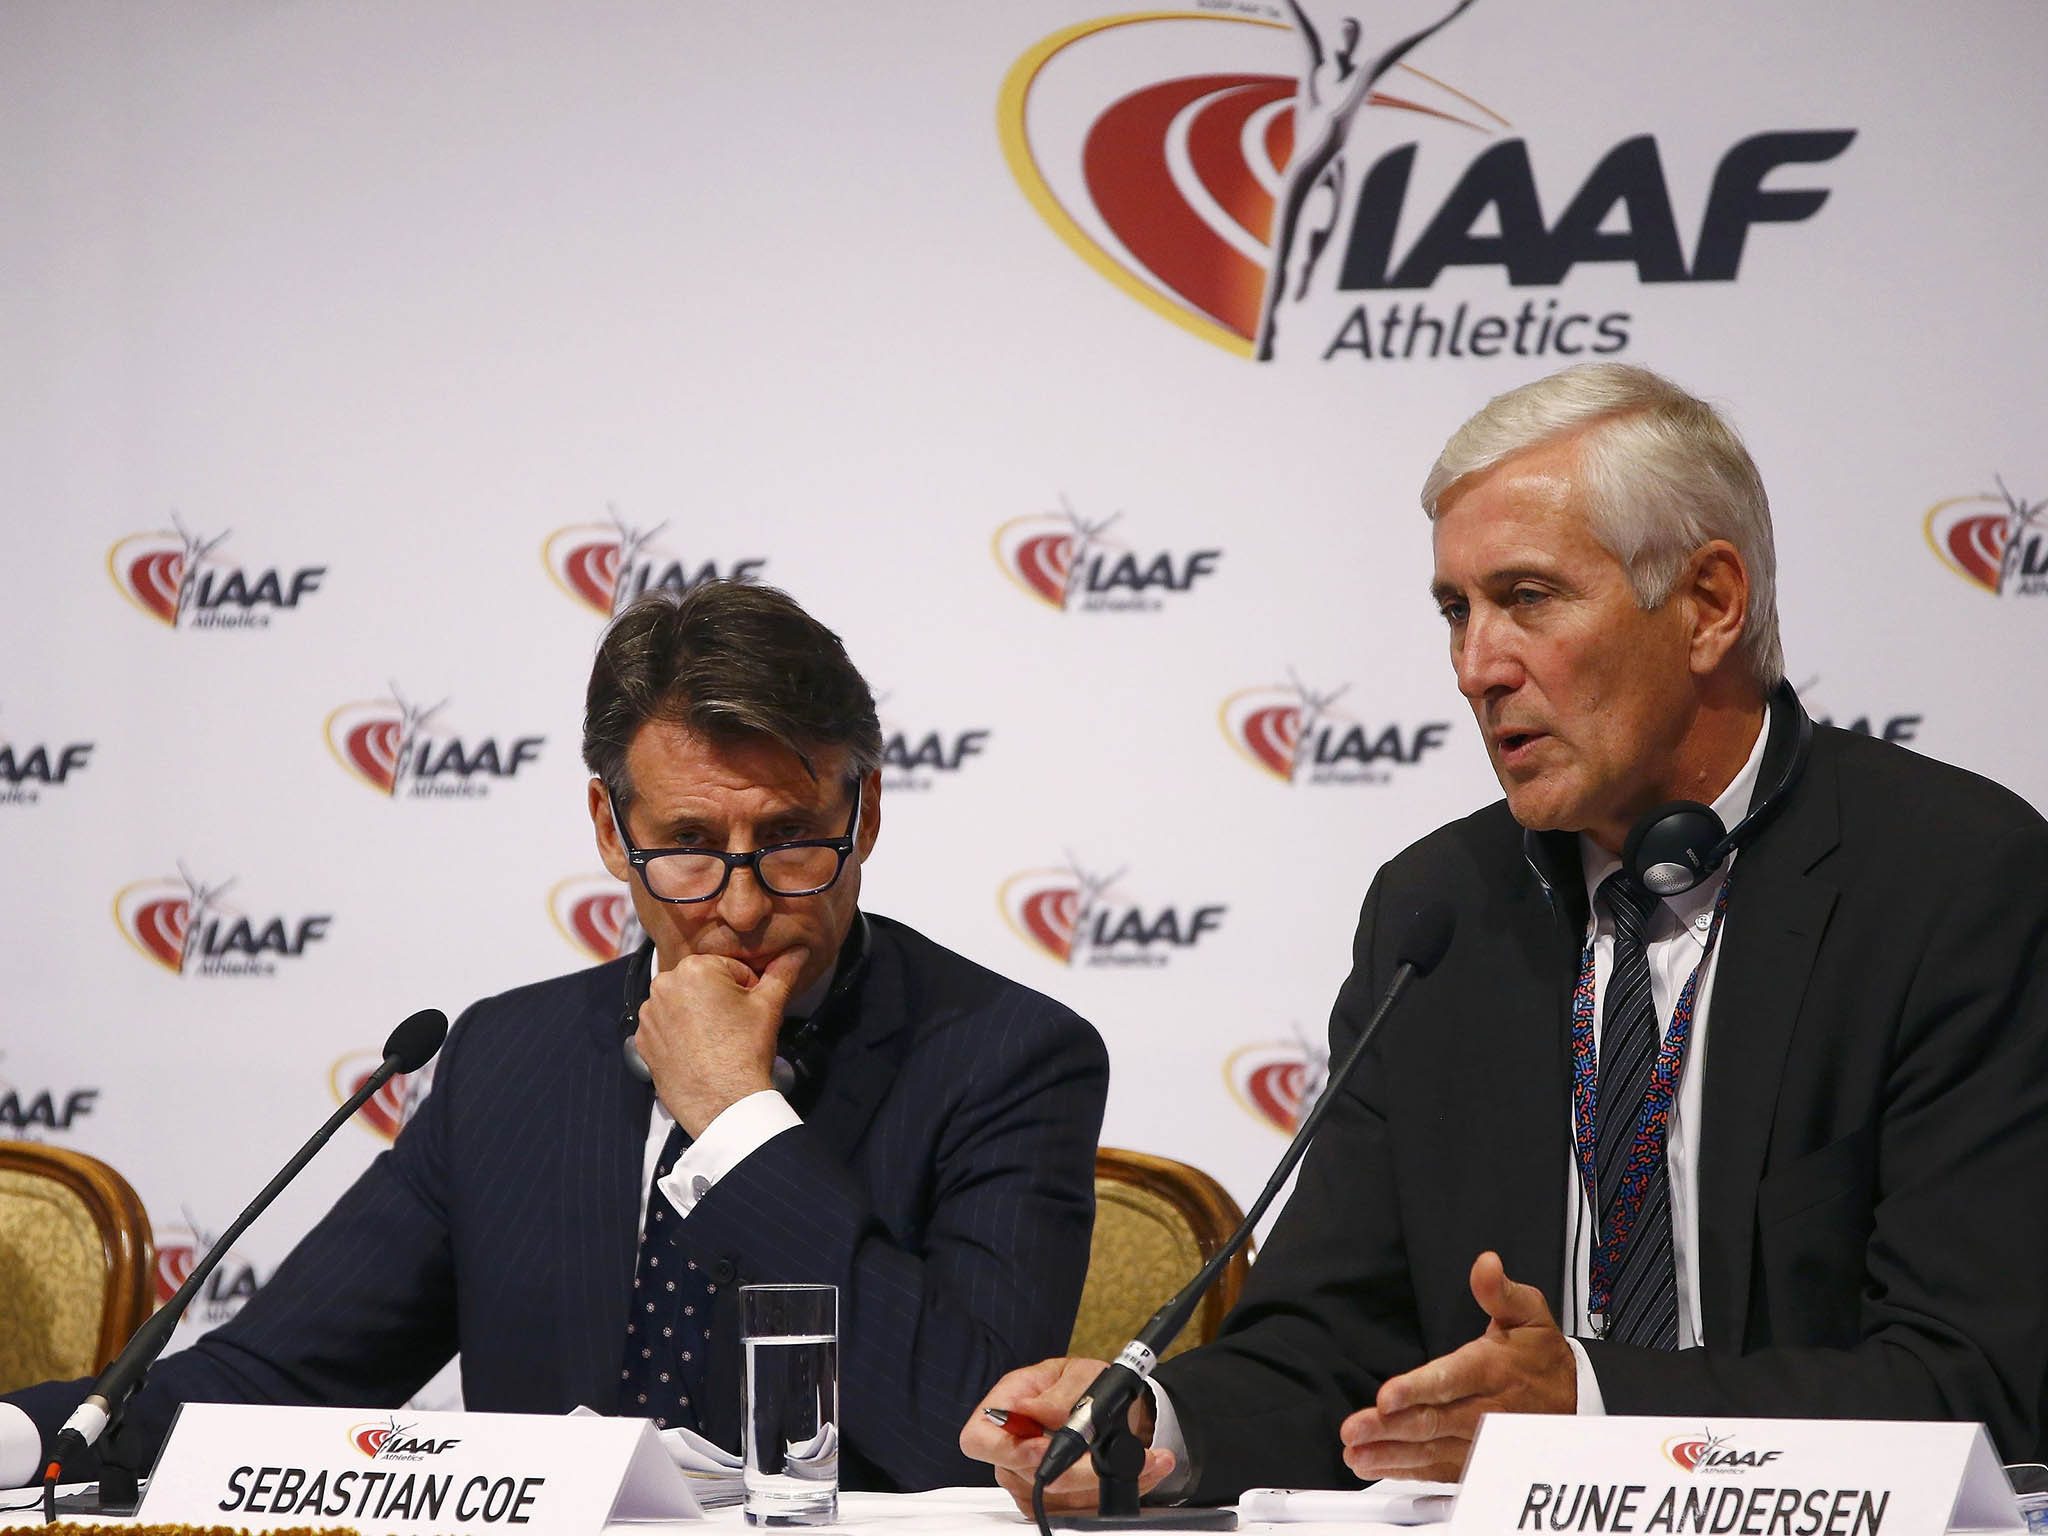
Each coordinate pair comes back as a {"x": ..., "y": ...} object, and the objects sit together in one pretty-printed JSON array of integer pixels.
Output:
[{"x": 1691, "y": 910}]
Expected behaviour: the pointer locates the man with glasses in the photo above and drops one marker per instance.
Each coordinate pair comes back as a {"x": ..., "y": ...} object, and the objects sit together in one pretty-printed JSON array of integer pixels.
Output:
[{"x": 775, "y": 1088}]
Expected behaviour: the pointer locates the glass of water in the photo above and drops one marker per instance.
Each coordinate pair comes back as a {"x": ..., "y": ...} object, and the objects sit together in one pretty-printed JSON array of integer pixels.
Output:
[{"x": 791, "y": 1403}]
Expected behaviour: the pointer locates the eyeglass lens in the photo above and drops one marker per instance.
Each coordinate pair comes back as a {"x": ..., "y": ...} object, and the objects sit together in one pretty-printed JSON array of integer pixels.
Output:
[{"x": 784, "y": 871}]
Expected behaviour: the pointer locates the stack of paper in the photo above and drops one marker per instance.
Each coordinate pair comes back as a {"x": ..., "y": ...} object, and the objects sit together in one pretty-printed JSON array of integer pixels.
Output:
[{"x": 1388, "y": 1502}]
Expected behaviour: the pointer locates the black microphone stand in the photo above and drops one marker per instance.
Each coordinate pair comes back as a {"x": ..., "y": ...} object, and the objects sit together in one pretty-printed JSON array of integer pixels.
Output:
[
  {"x": 1117, "y": 1454},
  {"x": 408, "y": 1049}
]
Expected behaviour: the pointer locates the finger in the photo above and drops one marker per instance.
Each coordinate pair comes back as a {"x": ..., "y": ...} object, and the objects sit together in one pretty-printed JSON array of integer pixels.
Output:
[
  {"x": 694, "y": 970},
  {"x": 1416, "y": 1426},
  {"x": 778, "y": 981},
  {"x": 988, "y": 1442},
  {"x": 1018, "y": 1391},
  {"x": 1468, "y": 1371},
  {"x": 1059, "y": 1499},
  {"x": 1440, "y": 1461},
  {"x": 1158, "y": 1463},
  {"x": 1053, "y": 1401},
  {"x": 1508, "y": 1302}
]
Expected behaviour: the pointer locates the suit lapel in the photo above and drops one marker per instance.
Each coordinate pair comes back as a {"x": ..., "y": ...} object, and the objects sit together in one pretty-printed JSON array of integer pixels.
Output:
[
  {"x": 1501, "y": 1048},
  {"x": 866, "y": 1055},
  {"x": 603, "y": 1145},
  {"x": 1777, "y": 913},
  {"x": 1531, "y": 1051}
]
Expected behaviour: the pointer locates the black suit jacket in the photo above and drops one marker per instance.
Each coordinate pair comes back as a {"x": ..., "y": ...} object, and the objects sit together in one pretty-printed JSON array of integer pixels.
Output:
[
  {"x": 1873, "y": 1164},
  {"x": 944, "y": 1180}
]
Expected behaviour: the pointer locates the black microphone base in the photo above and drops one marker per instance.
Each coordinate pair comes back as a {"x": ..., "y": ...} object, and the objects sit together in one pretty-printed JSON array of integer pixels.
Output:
[
  {"x": 117, "y": 1493},
  {"x": 1168, "y": 1518}
]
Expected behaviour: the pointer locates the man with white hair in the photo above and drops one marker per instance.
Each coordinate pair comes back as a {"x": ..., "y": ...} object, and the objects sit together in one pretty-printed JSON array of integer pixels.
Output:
[{"x": 1737, "y": 1062}]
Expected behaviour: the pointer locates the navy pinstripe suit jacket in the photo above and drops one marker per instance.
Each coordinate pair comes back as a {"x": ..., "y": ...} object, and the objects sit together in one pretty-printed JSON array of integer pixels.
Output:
[{"x": 944, "y": 1180}]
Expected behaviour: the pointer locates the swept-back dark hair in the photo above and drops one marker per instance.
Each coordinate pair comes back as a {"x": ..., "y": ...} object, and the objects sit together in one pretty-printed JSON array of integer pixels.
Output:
[{"x": 731, "y": 662}]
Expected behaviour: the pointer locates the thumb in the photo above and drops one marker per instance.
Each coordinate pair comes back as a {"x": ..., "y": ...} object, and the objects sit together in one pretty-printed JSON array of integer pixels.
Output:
[
  {"x": 779, "y": 979},
  {"x": 1508, "y": 1302}
]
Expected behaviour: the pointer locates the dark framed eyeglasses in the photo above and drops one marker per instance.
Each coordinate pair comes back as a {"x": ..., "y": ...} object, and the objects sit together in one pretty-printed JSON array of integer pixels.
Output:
[{"x": 683, "y": 875}]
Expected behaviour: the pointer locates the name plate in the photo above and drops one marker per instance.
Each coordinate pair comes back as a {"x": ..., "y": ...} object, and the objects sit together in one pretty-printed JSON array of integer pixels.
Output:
[
  {"x": 263, "y": 1468},
  {"x": 1732, "y": 1477}
]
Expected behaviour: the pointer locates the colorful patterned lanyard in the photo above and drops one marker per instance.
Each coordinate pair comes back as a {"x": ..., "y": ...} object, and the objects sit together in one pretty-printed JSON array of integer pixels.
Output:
[{"x": 1653, "y": 1119}]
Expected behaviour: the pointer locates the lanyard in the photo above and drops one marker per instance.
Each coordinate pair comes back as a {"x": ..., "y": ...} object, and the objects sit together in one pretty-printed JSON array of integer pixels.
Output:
[{"x": 1653, "y": 1118}]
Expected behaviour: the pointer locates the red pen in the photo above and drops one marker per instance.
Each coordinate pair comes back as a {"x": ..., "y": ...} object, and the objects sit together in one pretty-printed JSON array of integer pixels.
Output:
[{"x": 1017, "y": 1426}]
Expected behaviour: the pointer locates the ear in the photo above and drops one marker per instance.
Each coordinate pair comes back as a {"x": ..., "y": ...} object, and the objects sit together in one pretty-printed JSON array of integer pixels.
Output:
[
  {"x": 870, "y": 815},
  {"x": 1716, "y": 587},
  {"x": 609, "y": 848}
]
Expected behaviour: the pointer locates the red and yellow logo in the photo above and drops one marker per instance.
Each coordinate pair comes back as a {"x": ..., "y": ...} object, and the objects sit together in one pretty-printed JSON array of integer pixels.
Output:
[
  {"x": 1997, "y": 543},
  {"x": 1180, "y": 187}
]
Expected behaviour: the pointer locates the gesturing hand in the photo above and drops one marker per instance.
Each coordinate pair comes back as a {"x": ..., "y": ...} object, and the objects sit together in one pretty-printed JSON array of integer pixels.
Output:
[
  {"x": 707, "y": 1032},
  {"x": 1422, "y": 1424}
]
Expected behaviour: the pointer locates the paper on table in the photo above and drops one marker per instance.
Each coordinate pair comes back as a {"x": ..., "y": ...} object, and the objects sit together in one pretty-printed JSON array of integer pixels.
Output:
[
  {"x": 817, "y": 1458},
  {"x": 716, "y": 1474},
  {"x": 1388, "y": 1502}
]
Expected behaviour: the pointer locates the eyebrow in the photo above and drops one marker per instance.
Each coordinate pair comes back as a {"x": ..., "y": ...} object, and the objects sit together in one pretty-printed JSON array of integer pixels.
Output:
[
  {"x": 1506, "y": 576},
  {"x": 690, "y": 822}
]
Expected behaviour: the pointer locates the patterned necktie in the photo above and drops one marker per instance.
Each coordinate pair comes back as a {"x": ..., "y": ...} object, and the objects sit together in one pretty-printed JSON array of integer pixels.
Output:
[
  {"x": 1642, "y": 1304},
  {"x": 668, "y": 1322}
]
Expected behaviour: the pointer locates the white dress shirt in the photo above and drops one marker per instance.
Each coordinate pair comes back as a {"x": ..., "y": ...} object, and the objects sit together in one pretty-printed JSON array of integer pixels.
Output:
[{"x": 1676, "y": 937}]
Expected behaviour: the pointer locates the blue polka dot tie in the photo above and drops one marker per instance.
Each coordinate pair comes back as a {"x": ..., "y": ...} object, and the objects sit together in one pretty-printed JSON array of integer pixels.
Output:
[{"x": 662, "y": 1375}]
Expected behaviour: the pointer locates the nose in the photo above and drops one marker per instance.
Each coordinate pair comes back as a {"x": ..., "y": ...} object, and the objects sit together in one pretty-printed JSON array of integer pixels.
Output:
[
  {"x": 1485, "y": 656},
  {"x": 743, "y": 905}
]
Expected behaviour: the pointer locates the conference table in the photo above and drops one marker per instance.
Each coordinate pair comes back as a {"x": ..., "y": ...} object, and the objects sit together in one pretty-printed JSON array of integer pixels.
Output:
[{"x": 940, "y": 1512}]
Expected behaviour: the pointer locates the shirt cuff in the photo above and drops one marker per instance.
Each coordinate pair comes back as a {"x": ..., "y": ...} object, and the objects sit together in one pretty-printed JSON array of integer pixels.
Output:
[
  {"x": 1591, "y": 1403},
  {"x": 739, "y": 1131},
  {"x": 21, "y": 1448},
  {"x": 1166, "y": 1436}
]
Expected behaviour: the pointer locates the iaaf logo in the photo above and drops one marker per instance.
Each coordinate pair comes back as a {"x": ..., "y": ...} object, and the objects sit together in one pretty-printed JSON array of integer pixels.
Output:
[
  {"x": 386, "y": 745},
  {"x": 1996, "y": 543},
  {"x": 1709, "y": 1452},
  {"x": 1278, "y": 1081},
  {"x": 606, "y": 567},
  {"x": 23, "y": 768},
  {"x": 593, "y": 913},
  {"x": 915, "y": 761},
  {"x": 383, "y": 1114},
  {"x": 1299, "y": 737},
  {"x": 393, "y": 1441},
  {"x": 1237, "y": 174},
  {"x": 25, "y": 1113},
  {"x": 233, "y": 1281},
  {"x": 1068, "y": 563},
  {"x": 1068, "y": 915},
  {"x": 184, "y": 926},
  {"x": 172, "y": 575},
  {"x": 1898, "y": 728}
]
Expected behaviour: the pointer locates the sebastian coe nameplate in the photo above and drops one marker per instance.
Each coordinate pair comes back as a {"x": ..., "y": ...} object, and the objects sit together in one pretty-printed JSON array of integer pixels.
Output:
[
  {"x": 1731, "y": 1477},
  {"x": 262, "y": 1468}
]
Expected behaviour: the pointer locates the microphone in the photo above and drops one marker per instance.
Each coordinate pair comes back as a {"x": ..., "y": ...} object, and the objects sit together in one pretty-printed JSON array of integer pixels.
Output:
[
  {"x": 410, "y": 1046},
  {"x": 1101, "y": 1412}
]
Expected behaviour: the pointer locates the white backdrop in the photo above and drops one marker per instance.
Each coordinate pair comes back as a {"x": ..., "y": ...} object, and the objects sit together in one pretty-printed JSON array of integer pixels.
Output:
[{"x": 385, "y": 324}]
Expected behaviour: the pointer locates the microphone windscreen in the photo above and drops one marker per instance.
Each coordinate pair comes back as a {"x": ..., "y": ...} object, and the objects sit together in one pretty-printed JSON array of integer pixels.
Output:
[
  {"x": 1428, "y": 936},
  {"x": 415, "y": 1041}
]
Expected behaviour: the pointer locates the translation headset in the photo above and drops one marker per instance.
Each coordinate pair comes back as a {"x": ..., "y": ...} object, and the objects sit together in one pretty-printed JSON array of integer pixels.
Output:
[
  {"x": 1680, "y": 843},
  {"x": 804, "y": 1045}
]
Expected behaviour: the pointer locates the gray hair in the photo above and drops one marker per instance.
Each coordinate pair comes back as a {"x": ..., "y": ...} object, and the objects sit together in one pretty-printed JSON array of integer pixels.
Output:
[
  {"x": 730, "y": 662},
  {"x": 1662, "y": 473}
]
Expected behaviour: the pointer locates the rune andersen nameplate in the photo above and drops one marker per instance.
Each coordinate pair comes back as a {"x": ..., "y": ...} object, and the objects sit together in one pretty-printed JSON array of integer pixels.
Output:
[
  {"x": 1554, "y": 1473},
  {"x": 428, "y": 1473}
]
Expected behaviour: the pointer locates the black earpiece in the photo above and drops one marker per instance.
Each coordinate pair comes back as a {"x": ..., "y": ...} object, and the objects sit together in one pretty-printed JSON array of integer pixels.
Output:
[{"x": 1681, "y": 843}]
